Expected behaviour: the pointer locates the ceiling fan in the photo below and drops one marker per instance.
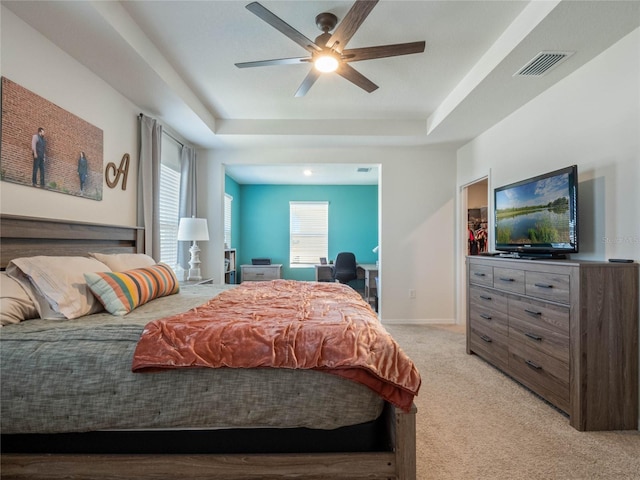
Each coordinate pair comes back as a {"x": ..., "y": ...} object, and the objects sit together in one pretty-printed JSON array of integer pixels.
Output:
[{"x": 328, "y": 52}]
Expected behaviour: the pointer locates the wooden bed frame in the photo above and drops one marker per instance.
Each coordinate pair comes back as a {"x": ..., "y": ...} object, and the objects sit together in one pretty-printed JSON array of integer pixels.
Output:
[{"x": 26, "y": 236}]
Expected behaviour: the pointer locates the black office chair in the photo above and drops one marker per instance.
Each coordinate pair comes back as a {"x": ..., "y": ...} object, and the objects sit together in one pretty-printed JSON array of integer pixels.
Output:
[{"x": 344, "y": 269}]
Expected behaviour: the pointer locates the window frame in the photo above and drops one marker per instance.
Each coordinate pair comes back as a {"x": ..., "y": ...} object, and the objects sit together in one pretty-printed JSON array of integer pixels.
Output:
[{"x": 298, "y": 213}]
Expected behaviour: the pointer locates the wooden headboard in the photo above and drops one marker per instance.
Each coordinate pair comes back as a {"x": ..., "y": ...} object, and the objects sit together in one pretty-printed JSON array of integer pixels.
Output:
[{"x": 29, "y": 236}]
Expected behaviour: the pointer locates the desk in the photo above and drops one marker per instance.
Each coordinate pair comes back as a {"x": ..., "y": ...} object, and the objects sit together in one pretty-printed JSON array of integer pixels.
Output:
[
  {"x": 370, "y": 274},
  {"x": 367, "y": 272}
]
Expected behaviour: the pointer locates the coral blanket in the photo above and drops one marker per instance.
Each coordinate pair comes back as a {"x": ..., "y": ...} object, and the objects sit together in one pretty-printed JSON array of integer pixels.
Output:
[{"x": 284, "y": 324}]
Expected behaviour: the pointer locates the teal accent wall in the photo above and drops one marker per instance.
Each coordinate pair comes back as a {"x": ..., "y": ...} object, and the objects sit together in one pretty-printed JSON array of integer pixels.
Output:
[{"x": 264, "y": 222}]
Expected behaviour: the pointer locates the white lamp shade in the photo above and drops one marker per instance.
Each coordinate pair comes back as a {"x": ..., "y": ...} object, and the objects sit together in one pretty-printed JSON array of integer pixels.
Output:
[{"x": 193, "y": 229}]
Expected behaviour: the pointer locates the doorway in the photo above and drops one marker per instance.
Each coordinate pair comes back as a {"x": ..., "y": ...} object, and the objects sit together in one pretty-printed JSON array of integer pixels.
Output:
[{"x": 474, "y": 234}]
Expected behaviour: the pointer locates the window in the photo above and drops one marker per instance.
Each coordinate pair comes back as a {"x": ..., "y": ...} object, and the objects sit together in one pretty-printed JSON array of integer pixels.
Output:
[
  {"x": 308, "y": 233},
  {"x": 169, "y": 200},
  {"x": 227, "y": 220}
]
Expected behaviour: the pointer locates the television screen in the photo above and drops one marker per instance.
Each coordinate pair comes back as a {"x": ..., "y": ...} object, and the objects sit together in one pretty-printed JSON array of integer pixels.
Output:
[{"x": 538, "y": 215}]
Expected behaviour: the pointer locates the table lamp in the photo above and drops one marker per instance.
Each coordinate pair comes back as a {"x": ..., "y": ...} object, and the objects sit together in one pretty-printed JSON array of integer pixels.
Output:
[{"x": 192, "y": 230}]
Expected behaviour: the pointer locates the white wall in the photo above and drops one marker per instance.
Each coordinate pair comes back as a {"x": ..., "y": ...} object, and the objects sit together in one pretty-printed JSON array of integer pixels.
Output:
[
  {"x": 591, "y": 119},
  {"x": 33, "y": 62},
  {"x": 417, "y": 205}
]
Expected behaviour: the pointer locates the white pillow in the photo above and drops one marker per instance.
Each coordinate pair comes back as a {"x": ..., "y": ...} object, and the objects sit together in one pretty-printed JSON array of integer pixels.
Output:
[
  {"x": 57, "y": 285},
  {"x": 119, "y": 262},
  {"x": 15, "y": 303}
]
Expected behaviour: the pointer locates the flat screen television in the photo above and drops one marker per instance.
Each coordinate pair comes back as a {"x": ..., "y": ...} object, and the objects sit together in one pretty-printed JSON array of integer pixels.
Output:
[{"x": 538, "y": 217}]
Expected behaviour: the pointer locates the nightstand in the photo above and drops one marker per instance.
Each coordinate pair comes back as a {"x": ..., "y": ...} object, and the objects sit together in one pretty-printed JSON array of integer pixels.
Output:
[{"x": 255, "y": 273}]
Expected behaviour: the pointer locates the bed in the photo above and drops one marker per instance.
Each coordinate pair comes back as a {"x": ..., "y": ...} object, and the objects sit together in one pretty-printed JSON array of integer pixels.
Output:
[{"x": 187, "y": 431}]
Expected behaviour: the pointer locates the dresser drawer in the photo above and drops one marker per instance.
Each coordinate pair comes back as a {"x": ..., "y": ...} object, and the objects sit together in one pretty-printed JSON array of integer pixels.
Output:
[
  {"x": 481, "y": 275},
  {"x": 551, "y": 343},
  {"x": 490, "y": 345},
  {"x": 480, "y": 315},
  {"x": 490, "y": 299},
  {"x": 534, "y": 312},
  {"x": 545, "y": 375},
  {"x": 253, "y": 273},
  {"x": 549, "y": 286},
  {"x": 508, "y": 279}
]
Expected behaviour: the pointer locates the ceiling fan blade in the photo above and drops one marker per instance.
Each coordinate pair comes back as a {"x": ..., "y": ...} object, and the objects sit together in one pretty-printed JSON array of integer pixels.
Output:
[
  {"x": 307, "y": 83},
  {"x": 283, "y": 27},
  {"x": 350, "y": 23},
  {"x": 277, "y": 61},
  {"x": 347, "y": 71},
  {"x": 382, "y": 51}
]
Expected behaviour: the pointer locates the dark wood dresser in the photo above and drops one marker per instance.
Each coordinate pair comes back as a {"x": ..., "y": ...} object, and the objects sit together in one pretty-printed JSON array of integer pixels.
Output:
[{"x": 566, "y": 329}]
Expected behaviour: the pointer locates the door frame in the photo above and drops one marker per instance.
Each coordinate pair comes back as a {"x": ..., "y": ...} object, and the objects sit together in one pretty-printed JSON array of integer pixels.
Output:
[{"x": 462, "y": 241}]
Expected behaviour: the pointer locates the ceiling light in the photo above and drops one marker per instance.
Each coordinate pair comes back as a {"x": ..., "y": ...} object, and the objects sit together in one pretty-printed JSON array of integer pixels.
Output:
[
  {"x": 326, "y": 63},
  {"x": 308, "y": 173}
]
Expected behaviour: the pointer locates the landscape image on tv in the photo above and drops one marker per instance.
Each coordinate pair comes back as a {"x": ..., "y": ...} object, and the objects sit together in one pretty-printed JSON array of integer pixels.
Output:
[{"x": 534, "y": 213}]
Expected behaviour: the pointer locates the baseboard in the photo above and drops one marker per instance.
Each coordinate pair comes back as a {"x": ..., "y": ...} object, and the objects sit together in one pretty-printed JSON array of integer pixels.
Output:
[{"x": 418, "y": 321}]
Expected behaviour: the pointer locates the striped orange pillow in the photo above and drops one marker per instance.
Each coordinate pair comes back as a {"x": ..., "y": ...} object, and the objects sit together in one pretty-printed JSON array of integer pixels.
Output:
[{"x": 122, "y": 292}]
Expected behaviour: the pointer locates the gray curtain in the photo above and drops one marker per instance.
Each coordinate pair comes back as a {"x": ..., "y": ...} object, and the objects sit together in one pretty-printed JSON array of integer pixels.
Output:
[
  {"x": 149, "y": 184},
  {"x": 187, "y": 205}
]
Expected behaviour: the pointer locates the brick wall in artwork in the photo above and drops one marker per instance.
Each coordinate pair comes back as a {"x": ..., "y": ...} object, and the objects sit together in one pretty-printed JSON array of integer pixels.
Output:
[{"x": 23, "y": 112}]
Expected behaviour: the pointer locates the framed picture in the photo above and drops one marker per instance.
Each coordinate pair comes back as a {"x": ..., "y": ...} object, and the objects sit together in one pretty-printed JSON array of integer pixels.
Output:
[
  {"x": 47, "y": 147},
  {"x": 323, "y": 260}
]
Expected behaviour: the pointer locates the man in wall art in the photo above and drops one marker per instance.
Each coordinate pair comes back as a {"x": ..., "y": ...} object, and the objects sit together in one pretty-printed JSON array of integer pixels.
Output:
[{"x": 38, "y": 146}]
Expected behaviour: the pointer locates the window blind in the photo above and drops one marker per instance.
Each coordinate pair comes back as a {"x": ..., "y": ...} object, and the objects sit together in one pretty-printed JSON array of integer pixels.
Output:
[
  {"x": 227, "y": 219},
  {"x": 168, "y": 210},
  {"x": 308, "y": 232}
]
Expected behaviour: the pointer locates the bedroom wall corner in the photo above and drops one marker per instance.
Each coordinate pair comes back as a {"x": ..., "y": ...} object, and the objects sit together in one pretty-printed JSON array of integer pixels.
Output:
[{"x": 70, "y": 85}]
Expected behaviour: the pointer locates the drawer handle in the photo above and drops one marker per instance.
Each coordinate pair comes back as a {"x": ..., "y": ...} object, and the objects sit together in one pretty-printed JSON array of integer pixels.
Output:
[
  {"x": 543, "y": 285},
  {"x": 531, "y": 312},
  {"x": 479, "y": 274},
  {"x": 486, "y": 339},
  {"x": 506, "y": 279},
  {"x": 485, "y": 316},
  {"x": 259, "y": 274},
  {"x": 533, "y": 337},
  {"x": 484, "y": 297},
  {"x": 533, "y": 365}
]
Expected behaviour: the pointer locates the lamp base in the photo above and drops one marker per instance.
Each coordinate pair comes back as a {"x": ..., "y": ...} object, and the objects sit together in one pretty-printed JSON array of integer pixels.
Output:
[
  {"x": 194, "y": 263},
  {"x": 194, "y": 275}
]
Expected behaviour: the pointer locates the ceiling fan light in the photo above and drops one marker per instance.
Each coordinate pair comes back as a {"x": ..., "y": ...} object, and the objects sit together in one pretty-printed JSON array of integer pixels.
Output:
[{"x": 326, "y": 63}]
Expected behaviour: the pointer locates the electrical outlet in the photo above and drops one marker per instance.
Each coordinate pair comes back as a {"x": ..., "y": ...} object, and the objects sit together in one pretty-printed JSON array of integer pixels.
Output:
[{"x": 412, "y": 293}]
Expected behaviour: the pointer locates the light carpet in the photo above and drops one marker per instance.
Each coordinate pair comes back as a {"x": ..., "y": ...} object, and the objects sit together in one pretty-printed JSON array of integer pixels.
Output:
[{"x": 474, "y": 422}]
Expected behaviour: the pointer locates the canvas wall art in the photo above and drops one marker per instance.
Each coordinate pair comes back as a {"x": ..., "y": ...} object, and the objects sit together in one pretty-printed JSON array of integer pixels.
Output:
[{"x": 45, "y": 146}]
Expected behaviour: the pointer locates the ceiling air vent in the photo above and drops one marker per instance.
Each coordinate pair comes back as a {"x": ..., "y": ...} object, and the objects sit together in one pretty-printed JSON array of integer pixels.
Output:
[
  {"x": 542, "y": 63},
  {"x": 364, "y": 169}
]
